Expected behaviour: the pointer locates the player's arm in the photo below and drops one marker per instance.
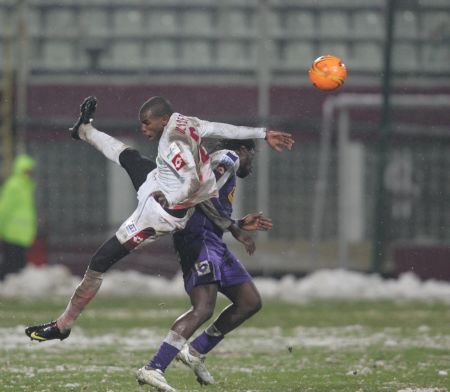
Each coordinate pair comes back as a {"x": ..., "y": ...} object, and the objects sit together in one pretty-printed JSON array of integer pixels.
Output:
[
  {"x": 255, "y": 221},
  {"x": 250, "y": 222},
  {"x": 278, "y": 140},
  {"x": 244, "y": 238},
  {"x": 214, "y": 211}
]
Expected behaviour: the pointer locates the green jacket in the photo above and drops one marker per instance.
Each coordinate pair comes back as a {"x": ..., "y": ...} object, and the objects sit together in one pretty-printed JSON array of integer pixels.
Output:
[{"x": 18, "y": 223}]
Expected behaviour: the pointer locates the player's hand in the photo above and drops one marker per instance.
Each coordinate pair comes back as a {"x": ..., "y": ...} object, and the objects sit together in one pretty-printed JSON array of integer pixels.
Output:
[
  {"x": 160, "y": 198},
  {"x": 279, "y": 140},
  {"x": 244, "y": 238},
  {"x": 256, "y": 221}
]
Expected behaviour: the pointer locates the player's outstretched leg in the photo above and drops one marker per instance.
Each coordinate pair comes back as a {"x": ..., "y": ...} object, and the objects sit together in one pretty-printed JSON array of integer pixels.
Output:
[
  {"x": 106, "y": 256},
  {"x": 44, "y": 332},
  {"x": 196, "y": 362},
  {"x": 110, "y": 147},
  {"x": 155, "y": 378},
  {"x": 60, "y": 329},
  {"x": 87, "y": 110}
]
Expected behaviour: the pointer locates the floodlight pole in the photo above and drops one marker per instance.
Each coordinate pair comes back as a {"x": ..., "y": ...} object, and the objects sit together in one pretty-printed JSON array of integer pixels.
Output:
[
  {"x": 22, "y": 76},
  {"x": 264, "y": 79},
  {"x": 381, "y": 214}
]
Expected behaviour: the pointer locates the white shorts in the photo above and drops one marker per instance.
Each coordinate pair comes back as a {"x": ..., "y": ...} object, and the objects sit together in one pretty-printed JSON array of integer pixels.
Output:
[{"x": 149, "y": 222}]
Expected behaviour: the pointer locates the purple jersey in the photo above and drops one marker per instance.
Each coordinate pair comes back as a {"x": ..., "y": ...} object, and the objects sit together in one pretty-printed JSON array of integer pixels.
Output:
[{"x": 203, "y": 255}]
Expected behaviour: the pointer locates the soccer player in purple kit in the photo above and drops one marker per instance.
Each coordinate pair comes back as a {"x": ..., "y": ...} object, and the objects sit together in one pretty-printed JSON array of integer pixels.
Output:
[{"x": 209, "y": 267}]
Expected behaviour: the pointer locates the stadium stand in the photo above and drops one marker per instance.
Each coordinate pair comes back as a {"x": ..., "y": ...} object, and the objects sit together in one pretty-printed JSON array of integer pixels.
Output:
[{"x": 208, "y": 36}]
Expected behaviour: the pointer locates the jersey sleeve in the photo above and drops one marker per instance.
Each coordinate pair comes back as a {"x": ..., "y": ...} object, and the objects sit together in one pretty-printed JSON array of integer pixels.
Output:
[
  {"x": 228, "y": 131},
  {"x": 214, "y": 211},
  {"x": 224, "y": 163}
]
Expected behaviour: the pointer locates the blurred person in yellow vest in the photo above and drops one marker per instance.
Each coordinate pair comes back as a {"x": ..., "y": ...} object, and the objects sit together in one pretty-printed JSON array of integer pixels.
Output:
[{"x": 18, "y": 222}]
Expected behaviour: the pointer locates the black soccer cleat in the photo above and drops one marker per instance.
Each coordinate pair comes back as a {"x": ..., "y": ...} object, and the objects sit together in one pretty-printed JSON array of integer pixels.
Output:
[
  {"x": 44, "y": 332},
  {"x": 87, "y": 110}
]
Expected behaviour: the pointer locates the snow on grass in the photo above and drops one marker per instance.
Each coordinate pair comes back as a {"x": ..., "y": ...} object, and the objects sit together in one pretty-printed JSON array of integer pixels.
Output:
[
  {"x": 255, "y": 339},
  {"x": 50, "y": 281}
]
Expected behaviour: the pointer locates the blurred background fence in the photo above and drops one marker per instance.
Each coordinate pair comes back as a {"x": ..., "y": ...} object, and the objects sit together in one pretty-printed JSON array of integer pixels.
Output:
[{"x": 243, "y": 62}]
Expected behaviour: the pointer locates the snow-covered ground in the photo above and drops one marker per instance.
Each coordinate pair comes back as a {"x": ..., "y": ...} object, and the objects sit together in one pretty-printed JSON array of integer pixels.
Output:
[{"x": 49, "y": 281}]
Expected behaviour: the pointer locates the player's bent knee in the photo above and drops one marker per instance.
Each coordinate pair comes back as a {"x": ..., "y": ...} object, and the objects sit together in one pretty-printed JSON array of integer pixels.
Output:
[
  {"x": 203, "y": 313},
  {"x": 250, "y": 306},
  {"x": 255, "y": 307},
  {"x": 107, "y": 255}
]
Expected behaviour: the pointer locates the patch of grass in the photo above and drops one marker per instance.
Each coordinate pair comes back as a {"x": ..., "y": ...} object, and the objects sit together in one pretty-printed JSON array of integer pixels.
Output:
[{"x": 320, "y": 346}]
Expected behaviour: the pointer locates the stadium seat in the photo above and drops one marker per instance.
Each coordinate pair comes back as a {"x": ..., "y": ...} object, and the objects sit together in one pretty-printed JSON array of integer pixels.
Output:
[
  {"x": 274, "y": 23},
  {"x": 368, "y": 24},
  {"x": 298, "y": 55},
  {"x": 163, "y": 21},
  {"x": 436, "y": 57},
  {"x": 94, "y": 22},
  {"x": 197, "y": 22},
  {"x": 124, "y": 55},
  {"x": 300, "y": 23},
  {"x": 196, "y": 54},
  {"x": 434, "y": 23},
  {"x": 235, "y": 55},
  {"x": 333, "y": 24},
  {"x": 161, "y": 54},
  {"x": 238, "y": 22},
  {"x": 61, "y": 22},
  {"x": 405, "y": 57},
  {"x": 367, "y": 56},
  {"x": 58, "y": 55},
  {"x": 127, "y": 22},
  {"x": 406, "y": 25},
  {"x": 435, "y": 52}
]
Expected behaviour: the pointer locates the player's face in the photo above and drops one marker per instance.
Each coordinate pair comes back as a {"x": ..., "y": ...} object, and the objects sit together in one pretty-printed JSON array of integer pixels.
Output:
[
  {"x": 152, "y": 127},
  {"x": 245, "y": 162}
]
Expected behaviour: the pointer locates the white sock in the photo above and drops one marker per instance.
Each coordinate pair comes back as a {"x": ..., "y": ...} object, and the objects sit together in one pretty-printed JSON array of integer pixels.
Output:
[
  {"x": 107, "y": 145},
  {"x": 83, "y": 294},
  {"x": 175, "y": 340}
]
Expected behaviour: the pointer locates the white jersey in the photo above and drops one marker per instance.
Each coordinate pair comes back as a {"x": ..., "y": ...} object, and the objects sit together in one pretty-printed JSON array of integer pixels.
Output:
[{"x": 184, "y": 171}]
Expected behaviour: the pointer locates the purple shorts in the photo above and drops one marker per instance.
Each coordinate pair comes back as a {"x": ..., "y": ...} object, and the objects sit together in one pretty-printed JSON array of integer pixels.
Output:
[{"x": 214, "y": 263}]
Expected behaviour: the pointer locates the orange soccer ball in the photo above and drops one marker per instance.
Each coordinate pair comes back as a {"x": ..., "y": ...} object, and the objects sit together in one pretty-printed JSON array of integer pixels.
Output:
[{"x": 327, "y": 72}]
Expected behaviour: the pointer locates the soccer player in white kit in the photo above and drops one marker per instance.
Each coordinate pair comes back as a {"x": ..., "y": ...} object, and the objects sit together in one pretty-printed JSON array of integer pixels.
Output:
[{"x": 166, "y": 194}]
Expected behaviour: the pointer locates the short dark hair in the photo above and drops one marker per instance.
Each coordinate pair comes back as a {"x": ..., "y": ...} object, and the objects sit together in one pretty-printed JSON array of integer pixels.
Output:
[
  {"x": 235, "y": 144},
  {"x": 159, "y": 106}
]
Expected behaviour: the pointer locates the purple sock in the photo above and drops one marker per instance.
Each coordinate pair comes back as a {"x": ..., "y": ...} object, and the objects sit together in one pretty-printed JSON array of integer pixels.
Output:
[
  {"x": 163, "y": 357},
  {"x": 168, "y": 350},
  {"x": 207, "y": 340}
]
